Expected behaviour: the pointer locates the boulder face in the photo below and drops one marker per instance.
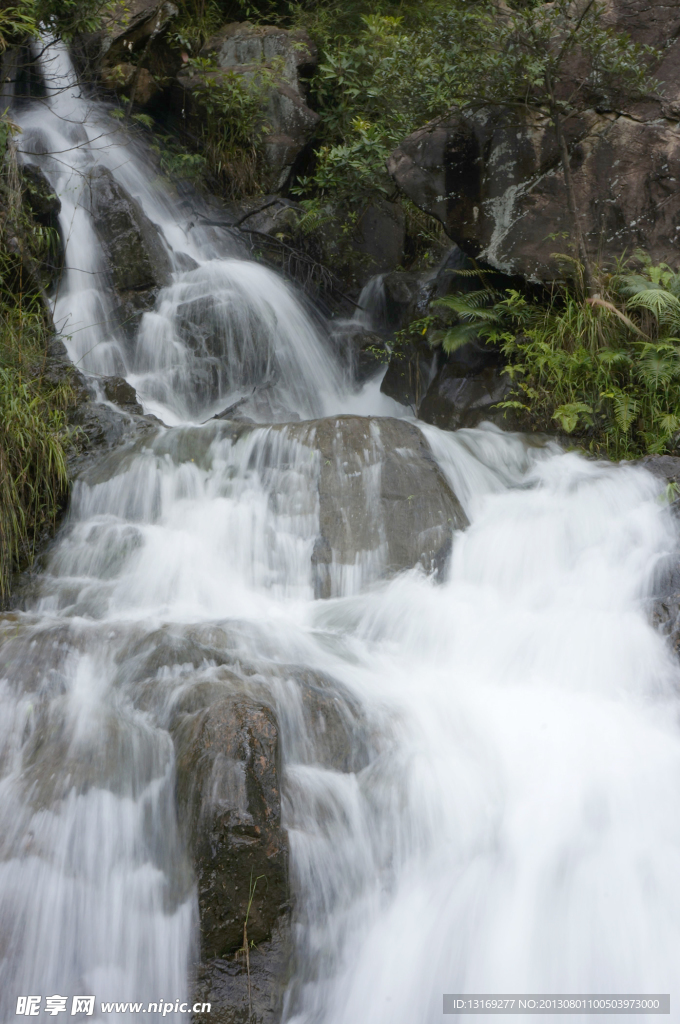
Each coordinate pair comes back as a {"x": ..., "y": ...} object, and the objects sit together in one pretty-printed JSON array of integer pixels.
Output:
[
  {"x": 137, "y": 258},
  {"x": 456, "y": 399},
  {"x": 384, "y": 505},
  {"x": 229, "y": 796},
  {"x": 286, "y": 55},
  {"x": 495, "y": 181}
]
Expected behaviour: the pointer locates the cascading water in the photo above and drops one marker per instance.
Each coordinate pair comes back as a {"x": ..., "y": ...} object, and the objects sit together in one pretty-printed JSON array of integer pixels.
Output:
[{"x": 511, "y": 823}]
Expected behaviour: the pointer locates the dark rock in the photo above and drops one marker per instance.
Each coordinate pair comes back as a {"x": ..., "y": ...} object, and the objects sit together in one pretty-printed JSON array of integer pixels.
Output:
[
  {"x": 667, "y": 467},
  {"x": 406, "y": 297},
  {"x": 228, "y": 793},
  {"x": 98, "y": 428},
  {"x": 664, "y": 607},
  {"x": 497, "y": 185},
  {"x": 253, "y": 994},
  {"x": 137, "y": 258},
  {"x": 363, "y": 352},
  {"x": 118, "y": 391},
  {"x": 128, "y": 27},
  {"x": 43, "y": 207},
  {"x": 455, "y": 400},
  {"x": 132, "y": 243},
  {"x": 380, "y": 237},
  {"x": 120, "y": 78},
  {"x": 39, "y": 196},
  {"x": 410, "y": 372},
  {"x": 332, "y": 731}
]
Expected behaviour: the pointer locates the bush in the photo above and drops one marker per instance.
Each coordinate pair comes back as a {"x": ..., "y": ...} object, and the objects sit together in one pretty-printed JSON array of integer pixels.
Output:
[{"x": 605, "y": 370}]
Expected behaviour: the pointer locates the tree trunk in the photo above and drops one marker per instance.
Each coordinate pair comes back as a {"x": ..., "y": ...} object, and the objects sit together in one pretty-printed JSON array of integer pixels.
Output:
[{"x": 589, "y": 277}]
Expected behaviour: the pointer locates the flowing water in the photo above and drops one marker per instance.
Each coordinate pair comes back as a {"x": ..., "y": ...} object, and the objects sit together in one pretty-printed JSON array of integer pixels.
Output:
[{"x": 513, "y": 826}]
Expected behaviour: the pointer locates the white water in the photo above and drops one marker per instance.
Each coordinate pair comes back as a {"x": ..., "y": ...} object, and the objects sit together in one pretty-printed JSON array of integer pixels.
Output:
[{"x": 516, "y": 828}]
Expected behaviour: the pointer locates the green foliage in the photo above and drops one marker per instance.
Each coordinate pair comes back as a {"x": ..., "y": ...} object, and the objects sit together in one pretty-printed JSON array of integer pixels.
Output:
[
  {"x": 232, "y": 126},
  {"x": 605, "y": 370},
  {"x": 372, "y": 87},
  {"x": 177, "y": 162},
  {"x": 15, "y": 24},
  {"x": 195, "y": 23},
  {"x": 388, "y": 68},
  {"x": 519, "y": 57},
  {"x": 69, "y": 18},
  {"x": 34, "y": 437},
  {"x": 33, "y": 443},
  {"x": 478, "y": 314},
  {"x": 63, "y": 18}
]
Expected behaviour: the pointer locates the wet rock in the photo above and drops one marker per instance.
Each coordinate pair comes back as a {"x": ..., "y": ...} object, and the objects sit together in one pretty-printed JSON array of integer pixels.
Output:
[
  {"x": 118, "y": 391},
  {"x": 97, "y": 428},
  {"x": 496, "y": 184},
  {"x": 411, "y": 369},
  {"x": 381, "y": 237},
  {"x": 384, "y": 505},
  {"x": 667, "y": 467},
  {"x": 407, "y": 294},
  {"x": 252, "y": 994},
  {"x": 460, "y": 397},
  {"x": 228, "y": 792},
  {"x": 137, "y": 258},
  {"x": 39, "y": 196},
  {"x": 41, "y": 206},
  {"x": 664, "y": 608},
  {"x": 334, "y": 731},
  {"x": 363, "y": 352}
]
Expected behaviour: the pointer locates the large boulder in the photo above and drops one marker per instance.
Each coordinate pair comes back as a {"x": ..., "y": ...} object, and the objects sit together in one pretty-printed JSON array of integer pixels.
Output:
[
  {"x": 384, "y": 505},
  {"x": 277, "y": 59},
  {"x": 138, "y": 260},
  {"x": 464, "y": 399},
  {"x": 229, "y": 799},
  {"x": 495, "y": 181},
  {"x": 130, "y": 25}
]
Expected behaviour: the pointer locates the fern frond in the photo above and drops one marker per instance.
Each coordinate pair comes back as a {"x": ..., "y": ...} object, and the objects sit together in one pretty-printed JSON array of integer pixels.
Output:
[{"x": 458, "y": 336}]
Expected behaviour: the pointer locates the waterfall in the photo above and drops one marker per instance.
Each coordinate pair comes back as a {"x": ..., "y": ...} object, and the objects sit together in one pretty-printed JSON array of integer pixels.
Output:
[{"x": 504, "y": 819}]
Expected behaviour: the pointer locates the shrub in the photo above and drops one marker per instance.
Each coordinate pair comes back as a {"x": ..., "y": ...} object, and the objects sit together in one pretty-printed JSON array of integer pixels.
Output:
[{"x": 605, "y": 369}]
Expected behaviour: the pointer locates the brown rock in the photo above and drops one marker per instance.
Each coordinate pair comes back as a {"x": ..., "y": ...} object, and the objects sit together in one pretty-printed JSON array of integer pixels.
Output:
[{"x": 498, "y": 189}]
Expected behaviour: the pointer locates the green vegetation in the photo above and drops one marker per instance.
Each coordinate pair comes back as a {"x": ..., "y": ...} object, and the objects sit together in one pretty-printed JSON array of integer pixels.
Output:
[
  {"x": 604, "y": 369},
  {"x": 387, "y": 69},
  {"x": 229, "y": 113},
  {"x": 65, "y": 18},
  {"x": 34, "y": 437}
]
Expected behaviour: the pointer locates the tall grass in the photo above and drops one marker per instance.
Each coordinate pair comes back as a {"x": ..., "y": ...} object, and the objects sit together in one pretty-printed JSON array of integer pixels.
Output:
[
  {"x": 34, "y": 434},
  {"x": 34, "y": 440}
]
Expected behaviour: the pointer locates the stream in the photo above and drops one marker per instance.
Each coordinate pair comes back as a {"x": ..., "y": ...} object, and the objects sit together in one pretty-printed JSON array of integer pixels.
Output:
[{"x": 506, "y": 818}]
